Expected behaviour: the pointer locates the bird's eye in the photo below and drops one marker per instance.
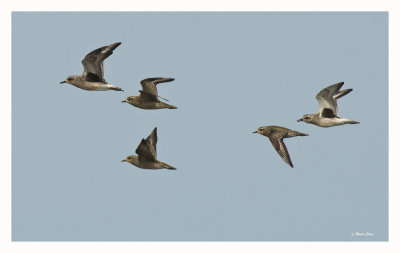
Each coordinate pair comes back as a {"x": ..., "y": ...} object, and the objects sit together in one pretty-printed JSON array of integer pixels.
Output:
[
  {"x": 69, "y": 79},
  {"x": 306, "y": 117}
]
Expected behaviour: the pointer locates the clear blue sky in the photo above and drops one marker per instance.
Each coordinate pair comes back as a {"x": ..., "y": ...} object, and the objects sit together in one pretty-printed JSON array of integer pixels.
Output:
[{"x": 233, "y": 73}]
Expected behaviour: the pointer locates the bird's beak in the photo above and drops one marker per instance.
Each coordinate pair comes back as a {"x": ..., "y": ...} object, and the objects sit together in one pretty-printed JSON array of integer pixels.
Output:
[
  {"x": 63, "y": 82},
  {"x": 123, "y": 101},
  {"x": 254, "y": 132},
  {"x": 299, "y": 120},
  {"x": 123, "y": 160}
]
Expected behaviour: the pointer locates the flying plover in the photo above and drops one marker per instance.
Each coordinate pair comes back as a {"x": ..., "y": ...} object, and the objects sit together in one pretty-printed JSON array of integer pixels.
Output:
[
  {"x": 148, "y": 98},
  {"x": 93, "y": 74},
  {"x": 147, "y": 152},
  {"x": 276, "y": 134},
  {"x": 327, "y": 115}
]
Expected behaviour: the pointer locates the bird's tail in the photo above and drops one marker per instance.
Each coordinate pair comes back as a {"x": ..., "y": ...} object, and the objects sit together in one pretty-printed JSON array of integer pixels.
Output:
[
  {"x": 293, "y": 133},
  {"x": 167, "y": 166},
  {"x": 351, "y": 122},
  {"x": 169, "y": 106},
  {"x": 116, "y": 88}
]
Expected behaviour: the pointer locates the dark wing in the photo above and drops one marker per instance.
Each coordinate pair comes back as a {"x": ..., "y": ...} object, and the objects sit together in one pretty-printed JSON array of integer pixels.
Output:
[
  {"x": 152, "y": 142},
  {"x": 144, "y": 152},
  {"x": 148, "y": 97},
  {"x": 93, "y": 62},
  {"x": 149, "y": 84},
  {"x": 90, "y": 77},
  {"x": 280, "y": 147},
  {"x": 327, "y": 113},
  {"x": 326, "y": 98}
]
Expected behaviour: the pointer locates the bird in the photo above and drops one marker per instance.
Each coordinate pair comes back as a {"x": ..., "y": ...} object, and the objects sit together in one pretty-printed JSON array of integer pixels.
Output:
[
  {"x": 276, "y": 134},
  {"x": 148, "y": 98},
  {"x": 147, "y": 154},
  {"x": 93, "y": 74},
  {"x": 327, "y": 115}
]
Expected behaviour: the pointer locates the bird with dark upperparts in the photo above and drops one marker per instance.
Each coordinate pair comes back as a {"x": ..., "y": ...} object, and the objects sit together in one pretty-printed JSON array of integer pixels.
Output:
[
  {"x": 276, "y": 134},
  {"x": 148, "y": 98},
  {"x": 147, "y": 154}
]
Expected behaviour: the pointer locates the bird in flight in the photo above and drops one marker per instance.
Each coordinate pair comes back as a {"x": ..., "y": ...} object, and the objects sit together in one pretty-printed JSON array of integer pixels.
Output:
[
  {"x": 147, "y": 154},
  {"x": 327, "y": 115},
  {"x": 93, "y": 74},
  {"x": 276, "y": 134},
  {"x": 148, "y": 98}
]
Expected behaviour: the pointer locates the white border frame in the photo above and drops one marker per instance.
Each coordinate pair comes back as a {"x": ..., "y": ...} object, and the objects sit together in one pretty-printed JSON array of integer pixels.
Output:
[{"x": 206, "y": 5}]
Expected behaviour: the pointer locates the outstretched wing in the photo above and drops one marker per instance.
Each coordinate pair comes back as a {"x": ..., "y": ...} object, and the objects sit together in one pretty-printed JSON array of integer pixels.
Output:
[
  {"x": 93, "y": 63},
  {"x": 276, "y": 138},
  {"x": 280, "y": 147},
  {"x": 152, "y": 142},
  {"x": 144, "y": 152},
  {"x": 147, "y": 150},
  {"x": 149, "y": 84},
  {"x": 327, "y": 102}
]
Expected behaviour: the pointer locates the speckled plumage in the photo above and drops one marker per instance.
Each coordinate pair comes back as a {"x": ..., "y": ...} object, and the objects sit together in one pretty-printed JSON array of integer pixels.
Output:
[
  {"x": 147, "y": 154},
  {"x": 148, "y": 98},
  {"x": 276, "y": 134}
]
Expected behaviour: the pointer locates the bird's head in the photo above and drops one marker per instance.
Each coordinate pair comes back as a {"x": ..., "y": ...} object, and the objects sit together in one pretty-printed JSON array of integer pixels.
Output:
[
  {"x": 71, "y": 79},
  {"x": 261, "y": 130},
  {"x": 308, "y": 118},
  {"x": 130, "y": 100},
  {"x": 130, "y": 159}
]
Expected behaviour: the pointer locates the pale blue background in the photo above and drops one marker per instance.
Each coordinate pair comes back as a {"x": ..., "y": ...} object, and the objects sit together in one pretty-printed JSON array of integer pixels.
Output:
[{"x": 234, "y": 72}]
